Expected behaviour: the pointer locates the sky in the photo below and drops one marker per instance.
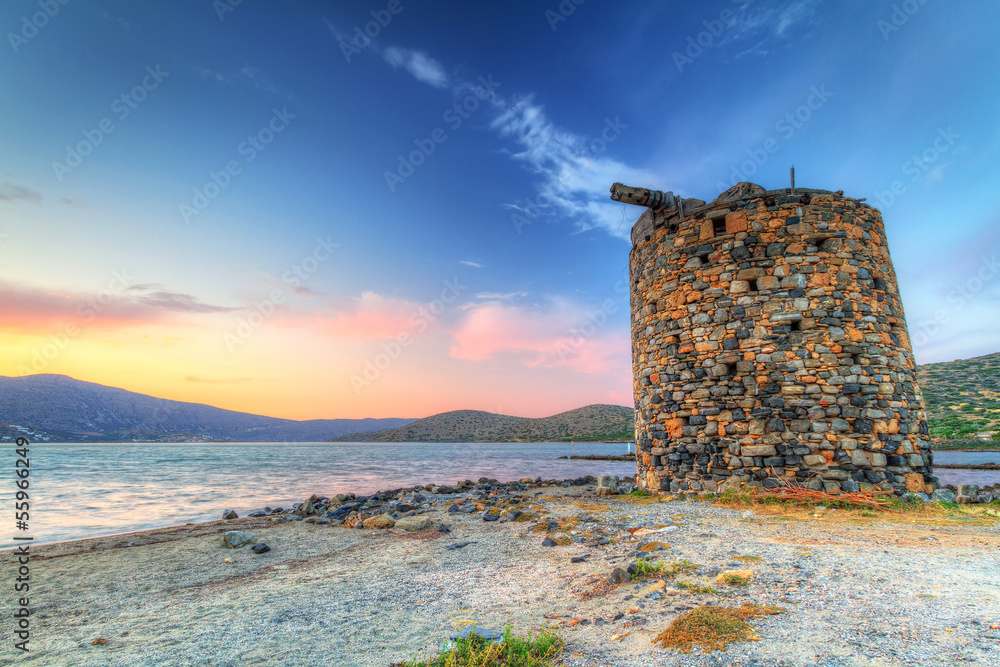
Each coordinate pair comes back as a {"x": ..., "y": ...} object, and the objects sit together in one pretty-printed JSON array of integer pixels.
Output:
[{"x": 394, "y": 208}]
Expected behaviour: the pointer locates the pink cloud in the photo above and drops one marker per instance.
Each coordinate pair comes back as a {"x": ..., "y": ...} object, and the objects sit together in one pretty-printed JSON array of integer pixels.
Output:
[
  {"x": 564, "y": 335},
  {"x": 28, "y": 309},
  {"x": 370, "y": 317}
]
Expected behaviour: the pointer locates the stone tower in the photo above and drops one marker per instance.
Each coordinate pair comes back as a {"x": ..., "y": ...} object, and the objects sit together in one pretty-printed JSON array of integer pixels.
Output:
[{"x": 769, "y": 345}]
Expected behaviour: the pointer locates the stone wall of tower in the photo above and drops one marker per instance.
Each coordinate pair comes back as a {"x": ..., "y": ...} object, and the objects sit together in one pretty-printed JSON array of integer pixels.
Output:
[{"x": 769, "y": 346}]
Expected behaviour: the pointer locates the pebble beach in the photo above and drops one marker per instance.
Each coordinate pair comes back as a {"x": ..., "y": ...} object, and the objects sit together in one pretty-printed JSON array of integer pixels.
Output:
[{"x": 531, "y": 555}]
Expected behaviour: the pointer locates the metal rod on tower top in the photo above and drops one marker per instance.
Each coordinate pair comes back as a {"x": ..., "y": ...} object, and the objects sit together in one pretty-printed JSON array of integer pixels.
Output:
[{"x": 793, "y": 178}]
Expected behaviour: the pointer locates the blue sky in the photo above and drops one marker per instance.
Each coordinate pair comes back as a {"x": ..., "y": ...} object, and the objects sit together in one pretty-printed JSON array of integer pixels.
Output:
[{"x": 895, "y": 102}]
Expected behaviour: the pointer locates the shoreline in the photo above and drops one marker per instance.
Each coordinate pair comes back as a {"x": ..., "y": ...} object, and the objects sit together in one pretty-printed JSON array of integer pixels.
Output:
[{"x": 368, "y": 596}]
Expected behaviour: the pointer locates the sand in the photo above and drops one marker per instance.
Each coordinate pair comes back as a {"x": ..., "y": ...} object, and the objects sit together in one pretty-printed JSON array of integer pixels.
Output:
[{"x": 875, "y": 593}]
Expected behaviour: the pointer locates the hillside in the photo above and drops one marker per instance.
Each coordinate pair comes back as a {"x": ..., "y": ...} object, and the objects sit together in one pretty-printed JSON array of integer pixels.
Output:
[
  {"x": 593, "y": 422},
  {"x": 62, "y": 409},
  {"x": 963, "y": 396}
]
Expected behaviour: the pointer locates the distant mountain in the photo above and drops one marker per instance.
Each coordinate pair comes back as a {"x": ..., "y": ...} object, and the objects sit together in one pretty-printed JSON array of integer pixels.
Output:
[
  {"x": 962, "y": 396},
  {"x": 62, "y": 409},
  {"x": 612, "y": 423}
]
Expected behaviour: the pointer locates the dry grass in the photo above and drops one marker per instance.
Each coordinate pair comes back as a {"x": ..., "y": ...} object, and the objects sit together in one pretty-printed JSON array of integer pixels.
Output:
[
  {"x": 748, "y": 559},
  {"x": 713, "y": 628},
  {"x": 791, "y": 506},
  {"x": 697, "y": 589}
]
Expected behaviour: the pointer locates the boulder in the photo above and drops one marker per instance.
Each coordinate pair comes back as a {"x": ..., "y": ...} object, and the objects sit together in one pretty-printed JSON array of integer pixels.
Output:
[
  {"x": 943, "y": 496},
  {"x": 412, "y": 524},
  {"x": 381, "y": 522},
  {"x": 234, "y": 539},
  {"x": 608, "y": 481},
  {"x": 260, "y": 548},
  {"x": 968, "y": 494}
]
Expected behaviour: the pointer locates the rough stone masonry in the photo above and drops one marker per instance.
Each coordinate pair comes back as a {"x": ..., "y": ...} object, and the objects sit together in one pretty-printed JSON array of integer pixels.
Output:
[{"x": 769, "y": 346}]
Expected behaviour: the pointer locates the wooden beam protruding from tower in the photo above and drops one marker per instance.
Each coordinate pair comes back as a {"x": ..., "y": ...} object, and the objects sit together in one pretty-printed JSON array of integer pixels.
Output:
[{"x": 654, "y": 199}]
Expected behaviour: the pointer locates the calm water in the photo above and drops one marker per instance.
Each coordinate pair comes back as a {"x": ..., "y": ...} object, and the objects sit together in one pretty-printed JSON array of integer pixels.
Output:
[
  {"x": 89, "y": 490},
  {"x": 957, "y": 476},
  {"x": 101, "y": 489}
]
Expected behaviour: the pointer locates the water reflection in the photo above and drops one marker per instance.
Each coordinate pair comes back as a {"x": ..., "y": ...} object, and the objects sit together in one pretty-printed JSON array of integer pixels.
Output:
[{"x": 89, "y": 490}]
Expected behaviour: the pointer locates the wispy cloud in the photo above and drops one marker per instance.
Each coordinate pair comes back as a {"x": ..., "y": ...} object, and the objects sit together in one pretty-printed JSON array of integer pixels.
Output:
[
  {"x": 247, "y": 76},
  {"x": 572, "y": 168},
  {"x": 180, "y": 303},
  {"x": 765, "y": 25},
  {"x": 500, "y": 296},
  {"x": 469, "y": 262},
  {"x": 419, "y": 64},
  {"x": 545, "y": 336},
  {"x": 12, "y": 192},
  {"x": 32, "y": 309},
  {"x": 573, "y": 171}
]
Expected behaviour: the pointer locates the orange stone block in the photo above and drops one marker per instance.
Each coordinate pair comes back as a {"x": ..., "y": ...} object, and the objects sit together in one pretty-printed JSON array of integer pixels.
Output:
[
  {"x": 736, "y": 222},
  {"x": 655, "y": 377},
  {"x": 707, "y": 230}
]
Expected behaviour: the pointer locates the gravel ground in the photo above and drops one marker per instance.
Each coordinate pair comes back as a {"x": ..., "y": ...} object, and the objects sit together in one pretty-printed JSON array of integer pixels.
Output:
[{"x": 878, "y": 593}]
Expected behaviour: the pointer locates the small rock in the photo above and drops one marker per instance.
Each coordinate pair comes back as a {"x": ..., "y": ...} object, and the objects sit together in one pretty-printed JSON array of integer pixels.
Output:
[
  {"x": 458, "y": 545},
  {"x": 548, "y": 542},
  {"x": 380, "y": 522},
  {"x": 412, "y": 524},
  {"x": 747, "y": 516},
  {"x": 260, "y": 548},
  {"x": 234, "y": 539},
  {"x": 619, "y": 576},
  {"x": 229, "y": 514}
]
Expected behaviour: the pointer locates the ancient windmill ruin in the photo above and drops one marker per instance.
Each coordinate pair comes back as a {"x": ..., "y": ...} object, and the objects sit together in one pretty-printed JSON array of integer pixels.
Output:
[{"x": 769, "y": 345}]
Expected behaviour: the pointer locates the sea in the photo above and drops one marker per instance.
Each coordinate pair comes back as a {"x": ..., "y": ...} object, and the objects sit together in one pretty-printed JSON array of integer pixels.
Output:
[{"x": 90, "y": 490}]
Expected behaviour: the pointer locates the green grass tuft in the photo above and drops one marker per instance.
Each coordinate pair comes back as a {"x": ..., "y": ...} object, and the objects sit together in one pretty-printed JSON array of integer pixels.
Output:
[
  {"x": 513, "y": 651},
  {"x": 695, "y": 588}
]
